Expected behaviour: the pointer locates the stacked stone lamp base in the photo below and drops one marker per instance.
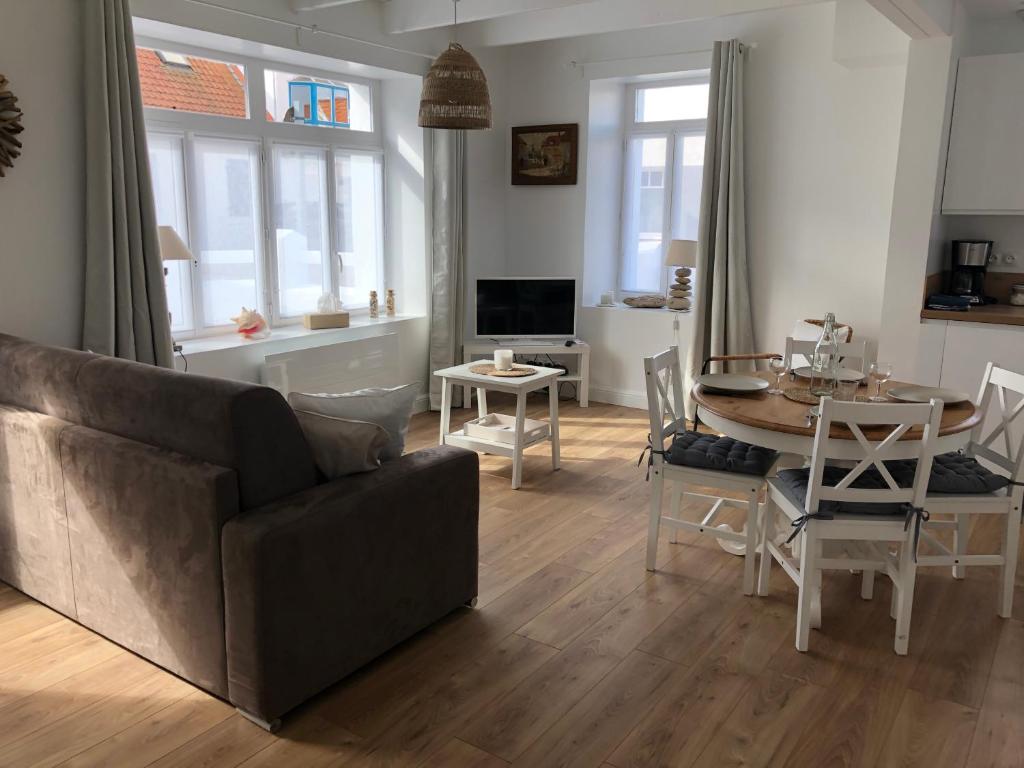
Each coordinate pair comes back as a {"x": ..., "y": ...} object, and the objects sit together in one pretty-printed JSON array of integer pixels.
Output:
[{"x": 679, "y": 294}]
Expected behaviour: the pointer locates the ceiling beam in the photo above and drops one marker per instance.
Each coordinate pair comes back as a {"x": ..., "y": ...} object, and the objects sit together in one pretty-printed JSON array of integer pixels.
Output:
[
  {"x": 919, "y": 19},
  {"x": 411, "y": 15},
  {"x": 312, "y": 5},
  {"x": 600, "y": 16}
]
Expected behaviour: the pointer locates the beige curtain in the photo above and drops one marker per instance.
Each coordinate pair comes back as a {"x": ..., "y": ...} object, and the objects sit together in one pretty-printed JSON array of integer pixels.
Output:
[
  {"x": 722, "y": 320},
  {"x": 125, "y": 299},
  {"x": 448, "y": 258}
]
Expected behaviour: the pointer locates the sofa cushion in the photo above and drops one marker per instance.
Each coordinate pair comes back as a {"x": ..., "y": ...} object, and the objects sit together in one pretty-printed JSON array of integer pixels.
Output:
[
  {"x": 343, "y": 446},
  {"x": 238, "y": 425},
  {"x": 390, "y": 407},
  {"x": 695, "y": 449}
]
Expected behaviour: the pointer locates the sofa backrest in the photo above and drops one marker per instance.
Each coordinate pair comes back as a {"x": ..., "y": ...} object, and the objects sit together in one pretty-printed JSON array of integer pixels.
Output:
[{"x": 245, "y": 427}]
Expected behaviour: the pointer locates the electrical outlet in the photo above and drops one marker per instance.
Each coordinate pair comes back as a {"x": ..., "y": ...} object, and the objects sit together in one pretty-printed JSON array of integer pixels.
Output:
[{"x": 1009, "y": 258}]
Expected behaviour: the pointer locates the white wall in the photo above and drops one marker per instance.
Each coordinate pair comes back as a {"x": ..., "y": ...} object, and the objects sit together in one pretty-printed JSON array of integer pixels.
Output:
[
  {"x": 822, "y": 142},
  {"x": 42, "y": 206}
]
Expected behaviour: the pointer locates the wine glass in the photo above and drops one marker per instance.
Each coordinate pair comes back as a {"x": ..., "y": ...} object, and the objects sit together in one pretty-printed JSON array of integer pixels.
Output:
[
  {"x": 880, "y": 373},
  {"x": 778, "y": 366}
]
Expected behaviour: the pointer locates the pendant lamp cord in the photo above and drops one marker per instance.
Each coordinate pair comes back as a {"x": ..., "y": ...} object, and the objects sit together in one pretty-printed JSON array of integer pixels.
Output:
[{"x": 455, "y": 26}]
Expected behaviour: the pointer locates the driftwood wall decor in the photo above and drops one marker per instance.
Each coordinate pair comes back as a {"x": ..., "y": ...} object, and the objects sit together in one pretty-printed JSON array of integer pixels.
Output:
[{"x": 10, "y": 126}]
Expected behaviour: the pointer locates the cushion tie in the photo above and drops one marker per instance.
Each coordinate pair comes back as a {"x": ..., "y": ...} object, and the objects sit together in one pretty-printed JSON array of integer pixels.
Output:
[
  {"x": 918, "y": 515},
  {"x": 800, "y": 522},
  {"x": 650, "y": 456}
]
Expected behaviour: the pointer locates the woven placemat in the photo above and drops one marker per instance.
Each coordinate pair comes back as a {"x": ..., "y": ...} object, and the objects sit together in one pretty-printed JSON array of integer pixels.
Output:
[
  {"x": 488, "y": 369},
  {"x": 803, "y": 395}
]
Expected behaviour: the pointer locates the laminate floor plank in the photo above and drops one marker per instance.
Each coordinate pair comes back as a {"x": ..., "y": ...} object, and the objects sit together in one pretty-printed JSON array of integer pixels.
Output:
[
  {"x": 575, "y": 655},
  {"x": 929, "y": 732}
]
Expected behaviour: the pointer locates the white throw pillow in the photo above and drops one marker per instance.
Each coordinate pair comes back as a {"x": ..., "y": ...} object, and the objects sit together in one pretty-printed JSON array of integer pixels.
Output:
[
  {"x": 343, "y": 447},
  {"x": 391, "y": 408}
]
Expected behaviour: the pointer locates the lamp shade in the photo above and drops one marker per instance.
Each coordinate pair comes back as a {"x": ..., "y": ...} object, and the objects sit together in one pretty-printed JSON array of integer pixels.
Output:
[
  {"x": 681, "y": 253},
  {"x": 172, "y": 247},
  {"x": 455, "y": 94}
]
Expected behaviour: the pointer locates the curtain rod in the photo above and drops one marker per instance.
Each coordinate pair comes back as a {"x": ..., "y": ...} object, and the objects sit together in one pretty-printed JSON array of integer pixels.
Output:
[
  {"x": 744, "y": 47},
  {"x": 311, "y": 28}
]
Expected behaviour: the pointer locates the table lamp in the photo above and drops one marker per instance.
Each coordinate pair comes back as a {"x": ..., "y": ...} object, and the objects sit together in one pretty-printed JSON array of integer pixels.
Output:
[
  {"x": 172, "y": 248},
  {"x": 682, "y": 255}
]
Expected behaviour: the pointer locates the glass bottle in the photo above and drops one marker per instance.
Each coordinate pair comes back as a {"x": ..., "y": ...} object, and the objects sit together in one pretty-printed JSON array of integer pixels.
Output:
[
  {"x": 374, "y": 306},
  {"x": 825, "y": 363},
  {"x": 389, "y": 302}
]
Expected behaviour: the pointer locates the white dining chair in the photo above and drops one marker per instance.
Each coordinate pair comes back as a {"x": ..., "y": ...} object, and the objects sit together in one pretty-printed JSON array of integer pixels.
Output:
[
  {"x": 799, "y": 352},
  {"x": 864, "y": 507},
  {"x": 687, "y": 457},
  {"x": 1005, "y": 452}
]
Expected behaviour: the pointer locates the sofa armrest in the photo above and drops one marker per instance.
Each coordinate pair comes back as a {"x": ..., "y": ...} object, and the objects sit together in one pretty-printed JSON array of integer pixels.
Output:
[{"x": 319, "y": 583}]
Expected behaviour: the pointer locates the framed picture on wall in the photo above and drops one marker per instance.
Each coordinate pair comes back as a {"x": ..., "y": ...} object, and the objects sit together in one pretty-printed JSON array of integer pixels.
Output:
[{"x": 545, "y": 154}]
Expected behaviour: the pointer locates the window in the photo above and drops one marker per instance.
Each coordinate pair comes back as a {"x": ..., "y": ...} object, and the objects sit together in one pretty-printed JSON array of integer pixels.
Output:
[
  {"x": 307, "y": 100},
  {"x": 171, "y": 80},
  {"x": 662, "y": 175},
  {"x": 275, "y": 214}
]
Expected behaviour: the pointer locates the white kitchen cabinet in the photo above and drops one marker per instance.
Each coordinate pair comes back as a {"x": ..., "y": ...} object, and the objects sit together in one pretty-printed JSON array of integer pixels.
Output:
[
  {"x": 985, "y": 167},
  {"x": 968, "y": 348}
]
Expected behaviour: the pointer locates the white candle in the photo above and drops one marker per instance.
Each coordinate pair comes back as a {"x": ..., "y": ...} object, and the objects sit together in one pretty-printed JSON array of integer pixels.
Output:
[
  {"x": 607, "y": 298},
  {"x": 503, "y": 359}
]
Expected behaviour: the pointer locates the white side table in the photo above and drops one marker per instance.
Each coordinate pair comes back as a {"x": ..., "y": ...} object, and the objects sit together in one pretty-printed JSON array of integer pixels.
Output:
[
  {"x": 461, "y": 375},
  {"x": 580, "y": 350}
]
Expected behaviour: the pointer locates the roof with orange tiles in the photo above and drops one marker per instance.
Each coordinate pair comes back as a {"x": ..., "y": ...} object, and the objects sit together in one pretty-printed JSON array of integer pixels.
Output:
[{"x": 210, "y": 87}]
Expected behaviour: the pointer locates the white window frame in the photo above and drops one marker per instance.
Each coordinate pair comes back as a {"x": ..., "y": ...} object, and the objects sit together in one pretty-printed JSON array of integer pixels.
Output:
[
  {"x": 189, "y": 125},
  {"x": 671, "y": 131}
]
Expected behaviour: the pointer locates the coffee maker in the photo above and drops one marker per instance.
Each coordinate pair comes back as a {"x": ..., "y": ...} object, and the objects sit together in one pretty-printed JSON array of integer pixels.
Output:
[{"x": 967, "y": 276}]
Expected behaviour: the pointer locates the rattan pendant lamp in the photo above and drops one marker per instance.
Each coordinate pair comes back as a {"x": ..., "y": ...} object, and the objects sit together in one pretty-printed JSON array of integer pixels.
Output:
[{"x": 455, "y": 95}]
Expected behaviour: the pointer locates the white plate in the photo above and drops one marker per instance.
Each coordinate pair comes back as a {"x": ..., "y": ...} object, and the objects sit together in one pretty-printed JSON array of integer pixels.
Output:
[
  {"x": 732, "y": 383},
  {"x": 845, "y": 374},
  {"x": 924, "y": 394}
]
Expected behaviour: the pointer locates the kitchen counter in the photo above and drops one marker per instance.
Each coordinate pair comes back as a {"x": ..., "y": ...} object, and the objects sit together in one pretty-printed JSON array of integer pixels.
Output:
[{"x": 1001, "y": 314}]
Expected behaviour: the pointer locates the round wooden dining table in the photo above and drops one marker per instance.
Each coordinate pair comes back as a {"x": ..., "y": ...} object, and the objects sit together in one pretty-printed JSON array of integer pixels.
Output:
[{"x": 775, "y": 421}]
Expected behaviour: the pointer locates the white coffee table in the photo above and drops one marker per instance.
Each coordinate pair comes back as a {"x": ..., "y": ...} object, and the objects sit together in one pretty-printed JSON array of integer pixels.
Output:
[{"x": 460, "y": 375}]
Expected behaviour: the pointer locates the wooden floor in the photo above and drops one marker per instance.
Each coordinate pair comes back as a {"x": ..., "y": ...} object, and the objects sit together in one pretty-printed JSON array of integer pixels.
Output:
[{"x": 576, "y": 656}]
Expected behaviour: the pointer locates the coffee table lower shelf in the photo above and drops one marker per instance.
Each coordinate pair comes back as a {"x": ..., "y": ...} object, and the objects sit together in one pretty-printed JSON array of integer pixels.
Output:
[{"x": 461, "y": 440}]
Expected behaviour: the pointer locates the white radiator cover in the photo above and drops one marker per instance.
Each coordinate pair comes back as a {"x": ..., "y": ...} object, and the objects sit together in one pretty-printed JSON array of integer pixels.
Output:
[{"x": 335, "y": 368}]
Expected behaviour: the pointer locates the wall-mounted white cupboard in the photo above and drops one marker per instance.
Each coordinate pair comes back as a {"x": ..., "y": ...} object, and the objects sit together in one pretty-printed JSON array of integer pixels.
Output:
[{"x": 985, "y": 168}]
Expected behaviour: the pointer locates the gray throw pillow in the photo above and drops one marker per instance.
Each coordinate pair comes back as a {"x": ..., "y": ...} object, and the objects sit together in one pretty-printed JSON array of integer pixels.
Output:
[
  {"x": 391, "y": 408},
  {"x": 343, "y": 447}
]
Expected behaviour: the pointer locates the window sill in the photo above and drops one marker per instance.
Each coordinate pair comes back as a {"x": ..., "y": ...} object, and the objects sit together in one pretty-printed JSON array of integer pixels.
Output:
[
  {"x": 291, "y": 336},
  {"x": 620, "y": 307}
]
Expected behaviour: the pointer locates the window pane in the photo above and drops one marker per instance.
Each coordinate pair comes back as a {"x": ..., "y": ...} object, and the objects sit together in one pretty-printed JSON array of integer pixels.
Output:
[
  {"x": 228, "y": 227},
  {"x": 675, "y": 102},
  {"x": 358, "y": 225},
  {"x": 306, "y": 100},
  {"x": 300, "y": 222},
  {"x": 167, "y": 167},
  {"x": 172, "y": 80},
  {"x": 686, "y": 182},
  {"x": 644, "y": 214}
]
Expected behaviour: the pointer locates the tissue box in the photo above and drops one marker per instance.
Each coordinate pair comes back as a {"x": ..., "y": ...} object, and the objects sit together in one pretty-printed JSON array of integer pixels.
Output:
[{"x": 316, "y": 321}]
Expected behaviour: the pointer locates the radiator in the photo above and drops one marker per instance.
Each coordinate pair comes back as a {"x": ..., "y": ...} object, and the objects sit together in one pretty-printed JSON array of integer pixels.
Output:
[{"x": 335, "y": 368}]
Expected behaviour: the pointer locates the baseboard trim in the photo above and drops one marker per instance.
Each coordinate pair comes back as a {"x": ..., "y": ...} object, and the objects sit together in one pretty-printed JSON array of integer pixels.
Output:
[
  {"x": 421, "y": 404},
  {"x": 624, "y": 397}
]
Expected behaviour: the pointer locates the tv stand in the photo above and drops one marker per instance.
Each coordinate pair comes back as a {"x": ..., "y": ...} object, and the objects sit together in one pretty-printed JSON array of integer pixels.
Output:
[{"x": 580, "y": 350}]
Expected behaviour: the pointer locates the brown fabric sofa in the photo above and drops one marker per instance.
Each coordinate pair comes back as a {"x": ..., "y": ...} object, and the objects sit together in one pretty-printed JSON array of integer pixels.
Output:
[{"x": 183, "y": 518}]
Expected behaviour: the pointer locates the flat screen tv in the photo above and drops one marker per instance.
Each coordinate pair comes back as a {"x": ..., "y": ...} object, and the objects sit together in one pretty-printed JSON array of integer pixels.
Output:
[{"x": 525, "y": 307}]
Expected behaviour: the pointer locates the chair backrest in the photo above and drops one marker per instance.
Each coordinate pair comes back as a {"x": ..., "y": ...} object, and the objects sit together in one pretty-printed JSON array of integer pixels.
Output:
[
  {"x": 901, "y": 417},
  {"x": 1001, "y": 446},
  {"x": 664, "y": 396},
  {"x": 803, "y": 351}
]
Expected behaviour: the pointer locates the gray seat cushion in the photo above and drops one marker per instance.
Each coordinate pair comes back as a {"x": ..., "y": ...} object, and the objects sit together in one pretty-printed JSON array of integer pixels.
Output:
[
  {"x": 795, "y": 482},
  {"x": 954, "y": 473},
  {"x": 724, "y": 454}
]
